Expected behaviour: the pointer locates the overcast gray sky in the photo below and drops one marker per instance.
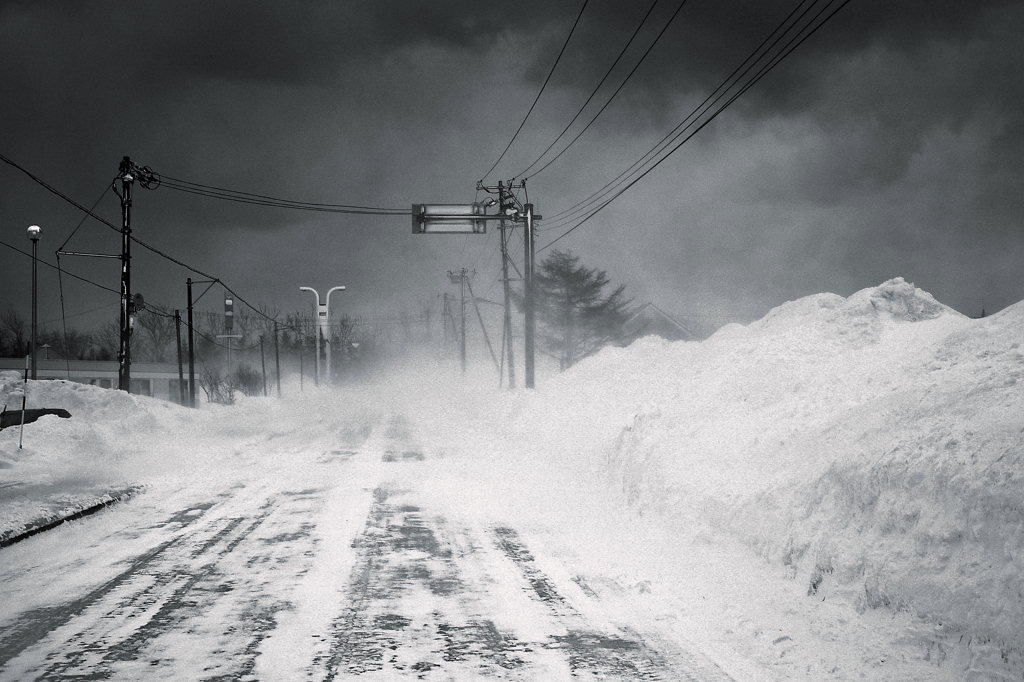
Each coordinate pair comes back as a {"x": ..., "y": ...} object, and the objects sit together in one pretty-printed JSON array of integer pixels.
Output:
[{"x": 888, "y": 144}]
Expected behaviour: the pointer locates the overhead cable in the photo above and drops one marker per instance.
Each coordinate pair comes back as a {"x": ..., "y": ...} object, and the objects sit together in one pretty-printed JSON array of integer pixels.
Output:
[
  {"x": 134, "y": 239},
  {"x": 537, "y": 98},
  {"x": 51, "y": 265},
  {"x": 264, "y": 200},
  {"x": 715, "y": 96},
  {"x": 625, "y": 183},
  {"x": 609, "y": 101}
]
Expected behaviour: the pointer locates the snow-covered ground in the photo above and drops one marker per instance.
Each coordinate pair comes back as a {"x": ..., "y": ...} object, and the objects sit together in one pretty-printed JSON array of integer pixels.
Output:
[{"x": 831, "y": 492}]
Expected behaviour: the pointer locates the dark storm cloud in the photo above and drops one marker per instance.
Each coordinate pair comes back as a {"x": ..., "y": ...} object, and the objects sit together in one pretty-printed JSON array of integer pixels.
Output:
[
  {"x": 292, "y": 43},
  {"x": 896, "y": 124},
  {"x": 707, "y": 40}
]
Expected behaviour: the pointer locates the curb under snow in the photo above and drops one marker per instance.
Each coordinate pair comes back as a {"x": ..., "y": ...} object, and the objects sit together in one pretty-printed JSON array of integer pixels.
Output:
[{"x": 45, "y": 523}]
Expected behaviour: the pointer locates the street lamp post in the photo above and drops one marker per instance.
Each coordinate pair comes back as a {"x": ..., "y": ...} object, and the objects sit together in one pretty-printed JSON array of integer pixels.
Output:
[
  {"x": 34, "y": 232},
  {"x": 323, "y": 325}
]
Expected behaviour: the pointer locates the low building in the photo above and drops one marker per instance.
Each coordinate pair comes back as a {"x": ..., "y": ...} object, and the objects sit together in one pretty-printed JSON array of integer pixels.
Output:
[
  {"x": 650, "y": 320},
  {"x": 155, "y": 379}
]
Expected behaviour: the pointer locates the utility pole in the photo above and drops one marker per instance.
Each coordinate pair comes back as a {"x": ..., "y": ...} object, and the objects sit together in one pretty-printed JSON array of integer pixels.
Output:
[
  {"x": 472, "y": 218},
  {"x": 460, "y": 279},
  {"x": 181, "y": 376},
  {"x": 277, "y": 357},
  {"x": 263, "y": 363},
  {"x": 124, "y": 353},
  {"x": 191, "y": 352},
  {"x": 191, "y": 339},
  {"x": 487, "y": 339},
  {"x": 507, "y": 333},
  {"x": 446, "y": 315},
  {"x": 528, "y": 300}
]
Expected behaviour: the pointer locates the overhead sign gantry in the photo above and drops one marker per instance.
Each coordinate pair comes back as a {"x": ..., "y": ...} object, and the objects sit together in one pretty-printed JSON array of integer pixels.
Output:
[{"x": 472, "y": 219}]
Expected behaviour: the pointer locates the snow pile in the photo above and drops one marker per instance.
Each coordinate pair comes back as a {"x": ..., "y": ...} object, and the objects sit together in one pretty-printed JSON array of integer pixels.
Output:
[
  {"x": 116, "y": 442},
  {"x": 872, "y": 444}
]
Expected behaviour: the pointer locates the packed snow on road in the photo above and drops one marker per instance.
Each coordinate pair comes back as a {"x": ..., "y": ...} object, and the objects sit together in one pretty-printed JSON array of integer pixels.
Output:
[{"x": 833, "y": 492}]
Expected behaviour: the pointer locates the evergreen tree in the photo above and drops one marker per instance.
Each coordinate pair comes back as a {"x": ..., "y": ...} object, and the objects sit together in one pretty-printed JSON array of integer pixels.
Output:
[{"x": 574, "y": 316}]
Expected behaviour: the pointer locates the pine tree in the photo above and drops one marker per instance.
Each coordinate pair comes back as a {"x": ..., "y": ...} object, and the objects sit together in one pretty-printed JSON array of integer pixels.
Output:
[{"x": 576, "y": 319}]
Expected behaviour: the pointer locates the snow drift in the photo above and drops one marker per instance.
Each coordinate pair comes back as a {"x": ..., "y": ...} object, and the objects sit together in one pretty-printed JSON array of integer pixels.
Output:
[{"x": 871, "y": 444}]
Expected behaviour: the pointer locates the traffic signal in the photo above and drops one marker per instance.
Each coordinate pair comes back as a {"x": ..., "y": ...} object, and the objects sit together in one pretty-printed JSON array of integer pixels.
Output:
[{"x": 229, "y": 313}]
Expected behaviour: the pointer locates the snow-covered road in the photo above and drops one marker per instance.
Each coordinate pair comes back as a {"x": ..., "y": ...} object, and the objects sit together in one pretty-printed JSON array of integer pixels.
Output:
[
  {"x": 347, "y": 568},
  {"x": 830, "y": 493}
]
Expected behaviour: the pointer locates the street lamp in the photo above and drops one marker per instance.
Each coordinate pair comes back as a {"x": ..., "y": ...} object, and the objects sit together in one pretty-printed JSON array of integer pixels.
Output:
[
  {"x": 34, "y": 233},
  {"x": 322, "y": 325}
]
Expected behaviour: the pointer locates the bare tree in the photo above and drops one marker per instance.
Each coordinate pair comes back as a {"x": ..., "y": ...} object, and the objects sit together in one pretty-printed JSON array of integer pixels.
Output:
[
  {"x": 13, "y": 332},
  {"x": 155, "y": 335},
  {"x": 107, "y": 340},
  {"x": 214, "y": 385},
  {"x": 71, "y": 343}
]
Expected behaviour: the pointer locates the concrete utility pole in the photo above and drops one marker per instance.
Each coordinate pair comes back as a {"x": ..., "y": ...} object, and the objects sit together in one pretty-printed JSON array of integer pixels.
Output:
[
  {"x": 191, "y": 352},
  {"x": 191, "y": 339},
  {"x": 181, "y": 375},
  {"x": 460, "y": 279},
  {"x": 507, "y": 332},
  {"x": 483, "y": 328},
  {"x": 124, "y": 359},
  {"x": 277, "y": 356},
  {"x": 528, "y": 300}
]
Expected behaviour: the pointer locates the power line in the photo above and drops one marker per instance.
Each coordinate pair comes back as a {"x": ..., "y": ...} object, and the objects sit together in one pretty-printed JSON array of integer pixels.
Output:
[
  {"x": 703, "y": 107},
  {"x": 537, "y": 98},
  {"x": 84, "y": 218},
  {"x": 614, "y": 94},
  {"x": 134, "y": 239},
  {"x": 58, "y": 193},
  {"x": 51, "y": 265},
  {"x": 84, "y": 312},
  {"x": 803, "y": 33},
  {"x": 264, "y": 200}
]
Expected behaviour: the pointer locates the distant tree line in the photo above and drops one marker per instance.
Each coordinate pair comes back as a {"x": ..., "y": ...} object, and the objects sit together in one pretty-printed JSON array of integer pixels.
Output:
[
  {"x": 16, "y": 333},
  {"x": 578, "y": 312}
]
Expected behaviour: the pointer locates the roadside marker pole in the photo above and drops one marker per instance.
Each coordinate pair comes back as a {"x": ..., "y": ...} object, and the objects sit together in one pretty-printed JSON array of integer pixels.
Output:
[{"x": 24, "y": 397}]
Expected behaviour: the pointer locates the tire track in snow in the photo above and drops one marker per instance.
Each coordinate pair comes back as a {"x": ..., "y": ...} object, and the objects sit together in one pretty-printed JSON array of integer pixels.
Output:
[
  {"x": 411, "y": 611},
  {"x": 623, "y": 654},
  {"x": 208, "y": 585},
  {"x": 419, "y": 605},
  {"x": 32, "y": 626}
]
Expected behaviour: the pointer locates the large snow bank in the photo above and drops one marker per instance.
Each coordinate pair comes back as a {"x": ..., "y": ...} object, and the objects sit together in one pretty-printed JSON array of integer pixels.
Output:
[
  {"x": 872, "y": 444},
  {"x": 116, "y": 442}
]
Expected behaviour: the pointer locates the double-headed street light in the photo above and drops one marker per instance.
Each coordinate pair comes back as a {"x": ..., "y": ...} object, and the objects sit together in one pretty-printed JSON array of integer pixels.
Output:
[
  {"x": 34, "y": 233},
  {"x": 323, "y": 325}
]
